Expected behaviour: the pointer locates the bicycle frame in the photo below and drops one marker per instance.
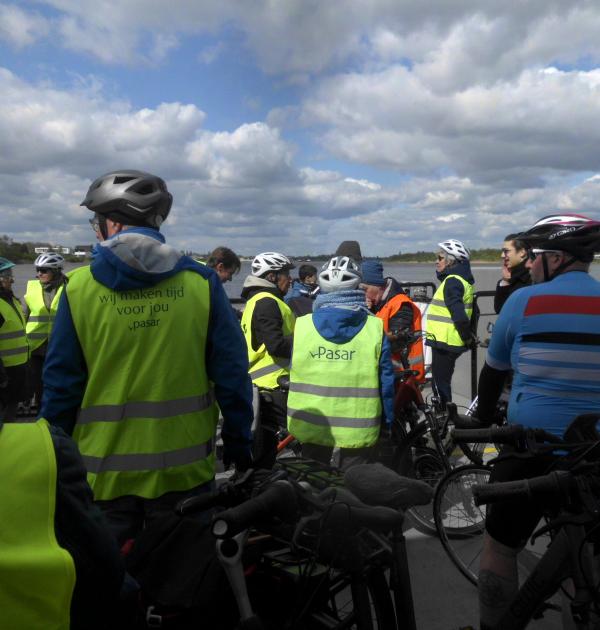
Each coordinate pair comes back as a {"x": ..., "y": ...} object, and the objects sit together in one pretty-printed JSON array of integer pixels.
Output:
[{"x": 561, "y": 560}]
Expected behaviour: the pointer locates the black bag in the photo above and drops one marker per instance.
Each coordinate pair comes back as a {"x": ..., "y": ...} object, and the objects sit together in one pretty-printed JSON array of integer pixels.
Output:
[{"x": 175, "y": 563}]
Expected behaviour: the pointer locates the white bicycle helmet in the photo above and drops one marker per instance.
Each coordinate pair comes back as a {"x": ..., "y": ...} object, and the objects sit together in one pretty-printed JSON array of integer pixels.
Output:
[
  {"x": 339, "y": 274},
  {"x": 455, "y": 248},
  {"x": 50, "y": 261},
  {"x": 270, "y": 261}
]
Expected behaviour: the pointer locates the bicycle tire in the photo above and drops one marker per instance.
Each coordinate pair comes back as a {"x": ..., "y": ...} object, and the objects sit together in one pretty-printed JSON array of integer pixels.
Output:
[
  {"x": 417, "y": 457},
  {"x": 459, "y": 522}
]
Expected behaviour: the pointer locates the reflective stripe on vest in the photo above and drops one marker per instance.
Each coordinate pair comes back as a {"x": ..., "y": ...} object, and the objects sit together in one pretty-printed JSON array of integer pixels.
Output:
[
  {"x": 440, "y": 324},
  {"x": 264, "y": 369},
  {"x": 148, "y": 417},
  {"x": 416, "y": 359},
  {"x": 14, "y": 348},
  {"x": 37, "y": 576},
  {"x": 334, "y": 397},
  {"x": 39, "y": 323}
]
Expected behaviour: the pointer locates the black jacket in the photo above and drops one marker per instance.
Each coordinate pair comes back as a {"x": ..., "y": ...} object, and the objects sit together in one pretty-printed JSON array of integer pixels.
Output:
[
  {"x": 267, "y": 323},
  {"x": 519, "y": 277}
]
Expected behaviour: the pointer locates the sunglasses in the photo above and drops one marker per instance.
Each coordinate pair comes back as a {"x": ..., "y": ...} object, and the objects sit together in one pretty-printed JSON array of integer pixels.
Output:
[
  {"x": 440, "y": 258},
  {"x": 532, "y": 254},
  {"x": 95, "y": 223},
  {"x": 43, "y": 270}
]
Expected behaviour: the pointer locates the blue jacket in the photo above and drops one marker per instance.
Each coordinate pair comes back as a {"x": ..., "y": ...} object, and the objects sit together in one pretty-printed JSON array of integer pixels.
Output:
[
  {"x": 299, "y": 289},
  {"x": 65, "y": 371},
  {"x": 339, "y": 325}
]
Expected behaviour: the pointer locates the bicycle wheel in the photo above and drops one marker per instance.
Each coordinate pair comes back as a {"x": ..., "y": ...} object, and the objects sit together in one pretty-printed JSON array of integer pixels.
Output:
[
  {"x": 460, "y": 523},
  {"x": 428, "y": 458}
]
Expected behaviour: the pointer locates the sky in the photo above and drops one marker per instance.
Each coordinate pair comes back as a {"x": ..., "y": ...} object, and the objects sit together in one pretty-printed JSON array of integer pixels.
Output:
[{"x": 291, "y": 125}]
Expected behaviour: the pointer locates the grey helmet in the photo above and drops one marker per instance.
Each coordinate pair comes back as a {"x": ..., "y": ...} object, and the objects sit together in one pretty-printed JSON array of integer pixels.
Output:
[
  {"x": 50, "y": 260},
  {"x": 339, "y": 274},
  {"x": 130, "y": 197}
]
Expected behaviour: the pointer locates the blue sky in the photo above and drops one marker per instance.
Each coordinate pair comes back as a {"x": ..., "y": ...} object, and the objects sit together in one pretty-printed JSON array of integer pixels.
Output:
[{"x": 293, "y": 125}]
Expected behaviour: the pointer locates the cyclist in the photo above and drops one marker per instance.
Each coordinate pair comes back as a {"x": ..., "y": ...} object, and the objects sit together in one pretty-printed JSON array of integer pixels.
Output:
[
  {"x": 399, "y": 314},
  {"x": 515, "y": 273},
  {"x": 14, "y": 349},
  {"x": 303, "y": 291},
  {"x": 268, "y": 325},
  {"x": 341, "y": 380},
  {"x": 449, "y": 315},
  {"x": 225, "y": 262},
  {"x": 548, "y": 334},
  {"x": 143, "y": 348},
  {"x": 59, "y": 564},
  {"x": 41, "y": 303}
]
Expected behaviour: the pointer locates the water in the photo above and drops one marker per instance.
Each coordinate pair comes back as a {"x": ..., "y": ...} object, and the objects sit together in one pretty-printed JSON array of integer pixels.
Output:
[{"x": 486, "y": 275}]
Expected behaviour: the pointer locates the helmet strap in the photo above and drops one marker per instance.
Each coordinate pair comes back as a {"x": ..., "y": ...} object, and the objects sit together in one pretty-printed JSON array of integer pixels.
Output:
[
  {"x": 102, "y": 226},
  {"x": 550, "y": 276}
]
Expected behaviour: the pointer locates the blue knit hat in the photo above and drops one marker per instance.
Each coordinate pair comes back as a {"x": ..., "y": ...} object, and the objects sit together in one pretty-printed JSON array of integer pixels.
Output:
[{"x": 372, "y": 273}]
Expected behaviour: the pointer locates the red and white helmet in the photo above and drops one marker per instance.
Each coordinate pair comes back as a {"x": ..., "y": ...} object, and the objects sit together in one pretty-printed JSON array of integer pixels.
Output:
[
  {"x": 455, "y": 248},
  {"x": 573, "y": 233},
  {"x": 270, "y": 261}
]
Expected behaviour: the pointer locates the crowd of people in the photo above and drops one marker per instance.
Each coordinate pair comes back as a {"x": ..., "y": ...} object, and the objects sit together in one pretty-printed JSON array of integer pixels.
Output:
[{"x": 133, "y": 358}]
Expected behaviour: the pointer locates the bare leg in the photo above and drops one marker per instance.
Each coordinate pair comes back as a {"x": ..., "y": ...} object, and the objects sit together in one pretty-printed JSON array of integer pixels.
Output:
[{"x": 498, "y": 581}]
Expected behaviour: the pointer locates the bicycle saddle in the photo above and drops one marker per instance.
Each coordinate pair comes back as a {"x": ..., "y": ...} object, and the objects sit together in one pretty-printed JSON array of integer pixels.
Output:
[{"x": 374, "y": 484}]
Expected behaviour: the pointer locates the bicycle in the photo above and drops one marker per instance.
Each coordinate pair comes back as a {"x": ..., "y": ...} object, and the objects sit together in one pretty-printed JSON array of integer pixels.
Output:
[
  {"x": 461, "y": 521},
  {"x": 301, "y": 537},
  {"x": 574, "y": 496}
]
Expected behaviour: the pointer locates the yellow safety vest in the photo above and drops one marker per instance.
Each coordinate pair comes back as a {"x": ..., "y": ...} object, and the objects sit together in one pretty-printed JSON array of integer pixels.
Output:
[
  {"x": 439, "y": 320},
  {"x": 264, "y": 369},
  {"x": 14, "y": 349},
  {"x": 148, "y": 417},
  {"x": 37, "y": 576},
  {"x": 334, "y": 397},
  {"x": 39, "y": 323}
]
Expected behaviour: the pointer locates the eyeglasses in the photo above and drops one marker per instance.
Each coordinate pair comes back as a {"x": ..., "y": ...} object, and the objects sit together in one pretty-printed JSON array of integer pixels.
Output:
[
  {"x": 532, "y": 254},
  {"x": 505, "y": 252},
  {"x": 95, "y": 223},
  {"x": 43, "y": 270}
]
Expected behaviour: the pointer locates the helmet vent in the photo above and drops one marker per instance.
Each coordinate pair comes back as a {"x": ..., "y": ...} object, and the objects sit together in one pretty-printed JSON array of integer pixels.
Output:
[{"x": 123, "y": 179}]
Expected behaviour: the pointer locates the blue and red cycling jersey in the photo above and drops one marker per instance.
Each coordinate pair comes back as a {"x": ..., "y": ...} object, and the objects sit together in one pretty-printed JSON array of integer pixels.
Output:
[{"x": 549, "y": 335}]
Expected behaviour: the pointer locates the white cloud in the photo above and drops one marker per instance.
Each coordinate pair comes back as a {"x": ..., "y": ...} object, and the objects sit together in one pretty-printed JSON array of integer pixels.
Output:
[{"x": 20, "y": 28}]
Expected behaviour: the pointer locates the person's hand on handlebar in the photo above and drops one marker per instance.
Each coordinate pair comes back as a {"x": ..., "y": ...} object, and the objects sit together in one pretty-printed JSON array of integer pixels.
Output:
[{"x": 237, "y": 454}]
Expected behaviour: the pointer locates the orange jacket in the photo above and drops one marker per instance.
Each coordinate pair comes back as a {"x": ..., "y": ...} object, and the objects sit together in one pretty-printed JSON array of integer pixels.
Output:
[{"x": 416, "y": 357}]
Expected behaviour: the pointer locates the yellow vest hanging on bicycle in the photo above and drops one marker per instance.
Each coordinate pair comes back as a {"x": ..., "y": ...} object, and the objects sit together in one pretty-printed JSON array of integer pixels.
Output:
[
  {"x": 439, "y": 320},
  {"x": 334, "y": 397},
  {"x": 37, "y": 576},
  {"x": 41, "y": 318},
  {"x": 264, "y": 369}
]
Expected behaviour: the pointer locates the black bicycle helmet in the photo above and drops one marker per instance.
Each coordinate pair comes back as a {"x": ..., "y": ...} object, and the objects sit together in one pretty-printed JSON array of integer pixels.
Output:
[
  {"x": 575, "y": 234},
  {"x": 130, "y": 197}
]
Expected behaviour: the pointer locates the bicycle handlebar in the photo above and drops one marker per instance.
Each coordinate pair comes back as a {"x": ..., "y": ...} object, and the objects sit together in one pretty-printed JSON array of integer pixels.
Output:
[
  {"x": 558, "y": 486},
  {"x": 278, "y": 500},
  {"x": 512, "y": 434}
]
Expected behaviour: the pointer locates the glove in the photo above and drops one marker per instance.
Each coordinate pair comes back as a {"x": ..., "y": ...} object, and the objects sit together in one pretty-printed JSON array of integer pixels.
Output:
[
  {"x": 468, "y": 337},
  {"x": 238, "y": 454}
]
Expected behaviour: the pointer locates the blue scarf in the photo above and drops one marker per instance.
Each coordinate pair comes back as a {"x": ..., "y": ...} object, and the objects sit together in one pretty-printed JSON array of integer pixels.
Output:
[{"x": 352, "y": 300}]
